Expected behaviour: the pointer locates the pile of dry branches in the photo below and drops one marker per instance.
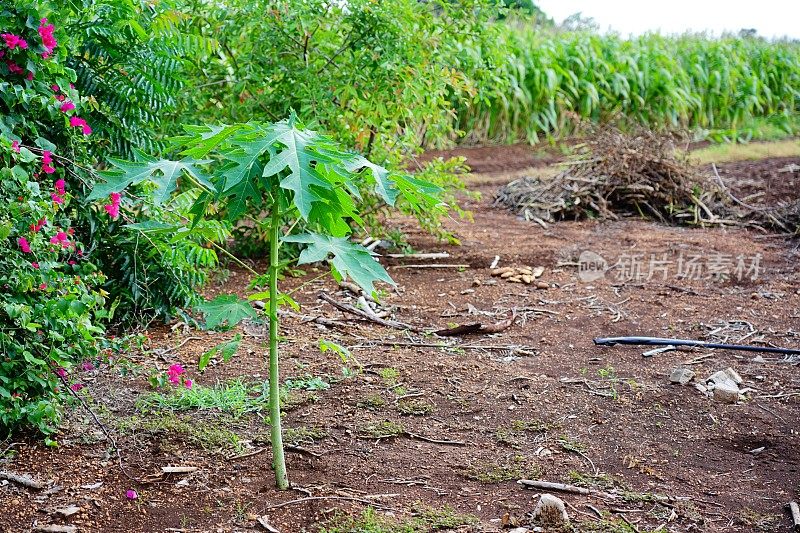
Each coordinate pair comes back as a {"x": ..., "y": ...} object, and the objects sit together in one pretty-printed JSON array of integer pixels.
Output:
[
  {"x": 639, "y": 173},
  {"x": 612, "y": 174}
]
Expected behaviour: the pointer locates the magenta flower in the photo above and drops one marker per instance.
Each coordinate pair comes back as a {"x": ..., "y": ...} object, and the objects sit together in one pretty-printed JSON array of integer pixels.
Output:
[
  {"x": 76, "y": 387},
  {"x": 13, "y": 68},
  {"x": 55, "y": 88},
  {"x": 35, "y": 265},
  {"x": 79, "y": 122},
  {"x": 131, "y": 494},
  {"x": 60, "y": 238},
  {"x": 46, "y": 33},
  {"x": 42, "y": 286},
  {"x": 61, "y": 372},
  {"x": 87, "y": 365},
  {"x": 188, "y": 383},
  {"x": 174, "y": 373},
  {"x": 60, "y": 186},
  {"x": 24, "y": 245},
  {"x": 47, "y": 163},
  {"x": 67, "y": 106},
  {"x": 113, "y": 208},
  {"x": 29, "y": 77},
  {"x": 15, "y": 146},
  {"x": 13, "y": 41}
]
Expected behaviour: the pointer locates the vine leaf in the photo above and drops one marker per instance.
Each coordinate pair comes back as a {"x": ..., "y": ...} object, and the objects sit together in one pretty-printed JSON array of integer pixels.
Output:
[
  {"x": 226, "y": 309},
  {"x": 348, "y": 259}
]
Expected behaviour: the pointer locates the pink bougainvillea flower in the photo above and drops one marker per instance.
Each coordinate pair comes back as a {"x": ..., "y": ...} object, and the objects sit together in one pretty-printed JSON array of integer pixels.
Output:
[
  {"x": 15, "y": 146},
  {"x": 79, "y": 122},
  {"x": 60, "y": 97},
  {"x": 39, "y": 225},
  {"x": 47, "y": 162},
  {"x": 35, "y": 265},
  {"x": 24, "y": 245},
  {"x": 87, "y": 365},
  {"x": 55, "y": 88},
  {"x": 43, "y": 286},
  {"x": 29, "y": 77},
  {"x": 174, "y": 373},
  {"x": 60, "y": 186},
  {"x": 61, "y": 372},
  {"x": 13, "y": 68},
  {"x": 60, "y": 238},
  {"x": 113, "y": 208},
  {"x": 76, "y": 387},
  {"x": 67, "y": 106},
  {"x": 72, "y": 262},
  {"x": 46, "y": 33},
  {"x": 131, "y": 494},
  {"x": 188, "y": 383},
  {"x": 56, "y": 198},
  {"x": 13, "y": 41}
]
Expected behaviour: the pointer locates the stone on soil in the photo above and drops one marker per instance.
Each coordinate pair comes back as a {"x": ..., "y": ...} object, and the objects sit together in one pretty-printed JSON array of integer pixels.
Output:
[
  {"x": 550, "y": 511},
  {"x": 681, "y": 375}
]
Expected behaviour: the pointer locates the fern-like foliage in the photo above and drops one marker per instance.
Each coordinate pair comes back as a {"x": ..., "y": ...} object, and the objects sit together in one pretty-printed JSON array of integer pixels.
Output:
[{"x": 131, "y": 56}]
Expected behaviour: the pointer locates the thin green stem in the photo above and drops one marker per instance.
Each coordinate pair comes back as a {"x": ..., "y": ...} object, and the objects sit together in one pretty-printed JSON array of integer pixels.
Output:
[{"x": 278, "y": 461}]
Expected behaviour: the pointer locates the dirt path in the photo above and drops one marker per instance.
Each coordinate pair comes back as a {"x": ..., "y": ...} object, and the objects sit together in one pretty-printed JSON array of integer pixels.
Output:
[{"x": 555, "y": 408}]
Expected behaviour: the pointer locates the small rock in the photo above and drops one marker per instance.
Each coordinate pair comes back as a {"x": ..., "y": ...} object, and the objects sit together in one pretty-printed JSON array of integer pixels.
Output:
[
  {"x": 759, "y": 359},
  {"x": 68, "y": 510},
  {"x": 476, "y": 282},
  {"x": 542, "y": 285},
  {"x": 538, "y": 271},
  {"x": 519, "y": 530},
  {"x": 468, "y": 291},
  {"x": 681, "y": 375},
  {"x": 550, "y": 510},
  {"x": 726, "y": 393}
]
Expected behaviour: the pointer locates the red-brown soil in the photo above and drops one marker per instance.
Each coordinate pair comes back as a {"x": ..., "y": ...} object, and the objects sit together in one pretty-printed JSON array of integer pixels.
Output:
[{"x": 560, "y": 409}]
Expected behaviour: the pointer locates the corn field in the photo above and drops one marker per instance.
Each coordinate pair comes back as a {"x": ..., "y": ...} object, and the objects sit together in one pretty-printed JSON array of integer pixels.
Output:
[{"x": 691, "y": 82}]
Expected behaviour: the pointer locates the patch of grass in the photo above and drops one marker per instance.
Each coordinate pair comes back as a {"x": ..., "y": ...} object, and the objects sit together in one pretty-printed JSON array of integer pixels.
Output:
[
  {"x": 234, "y": 397},
  {"x": 512, "y": 469},
  {"x": 604, "y": 526},
  {"x": 758, "y": 521},
  {"x": 572, "y": 445},
  {"x": 414, "y": 407},
  {"x": 210, "y": 437},
  {"x": 426, "y": 519},
  {"x": 380, "y": 430},
  {"x": 722, "y": 153},
  {"x": 389, "y": 375},
  {"x": 373, "y": 401},
  {"x": 597, "y": 481},
  {"x": 303, "y": 435},
  {"x": 514, "y": 436}
]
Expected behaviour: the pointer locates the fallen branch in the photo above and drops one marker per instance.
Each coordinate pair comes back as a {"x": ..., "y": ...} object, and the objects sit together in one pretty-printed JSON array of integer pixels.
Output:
[
  {"x": 477, "y": 328},
  {"x": 347, "y": 308},
  {"x": 431, "y": 255},
  {"x": 431, "y": 265},
  {"x": 21, "y": 479},
  {"x": 434, "y": 441},
  {"x": 564, "y": 487}
]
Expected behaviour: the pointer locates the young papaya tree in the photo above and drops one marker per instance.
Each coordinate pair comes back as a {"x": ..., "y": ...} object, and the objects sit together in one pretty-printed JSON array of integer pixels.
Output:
[{"x": 302, "y": 180}]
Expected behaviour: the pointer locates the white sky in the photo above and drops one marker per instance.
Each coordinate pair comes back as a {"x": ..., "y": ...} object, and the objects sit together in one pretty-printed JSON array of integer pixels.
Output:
[{"x": 772, "y": 18}]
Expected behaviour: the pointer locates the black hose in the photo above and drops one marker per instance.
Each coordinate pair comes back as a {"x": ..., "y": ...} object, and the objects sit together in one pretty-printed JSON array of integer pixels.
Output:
[{"x": 659, "y": 341}]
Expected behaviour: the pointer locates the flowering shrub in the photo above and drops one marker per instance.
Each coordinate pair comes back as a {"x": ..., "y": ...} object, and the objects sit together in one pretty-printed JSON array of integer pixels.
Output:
[{"x": 51, "y": 301}]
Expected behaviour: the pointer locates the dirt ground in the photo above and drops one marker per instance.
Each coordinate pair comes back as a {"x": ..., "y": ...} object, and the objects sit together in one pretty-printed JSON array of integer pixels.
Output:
[{"x": 442, "y": 428}]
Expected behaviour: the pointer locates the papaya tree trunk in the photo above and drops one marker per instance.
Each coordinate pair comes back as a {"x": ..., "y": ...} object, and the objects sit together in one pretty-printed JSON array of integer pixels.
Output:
[{"x": 278, "y": 461}]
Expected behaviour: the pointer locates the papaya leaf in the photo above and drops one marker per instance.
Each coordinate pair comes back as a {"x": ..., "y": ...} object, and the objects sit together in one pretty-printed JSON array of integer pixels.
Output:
[
  {"x": 347, "y": 259},
  {"x": 227, "y": 309},
  {"x": 226, "y": 349},
  {"x": 162, "y": 172}
]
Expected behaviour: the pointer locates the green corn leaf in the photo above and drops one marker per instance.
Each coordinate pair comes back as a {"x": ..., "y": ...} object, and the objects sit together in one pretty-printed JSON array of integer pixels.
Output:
[
  {"x": 227, "y": 310},
  {"x": 347, "y": 259}
]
